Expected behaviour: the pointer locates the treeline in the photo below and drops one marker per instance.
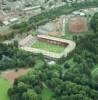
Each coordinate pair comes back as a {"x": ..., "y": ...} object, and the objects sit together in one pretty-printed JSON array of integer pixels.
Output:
[
  {"x": 94, "y": 23},
  {"x": 11, "y": 57},
  {"x": 47, "y": 16},
  {"x": 67, "y": 82}
]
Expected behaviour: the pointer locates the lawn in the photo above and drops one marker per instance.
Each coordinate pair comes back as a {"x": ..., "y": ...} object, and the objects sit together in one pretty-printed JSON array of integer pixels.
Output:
[
  {"x": 46, "y": 93},
  {"x": 4, "y": 86},
  {"x": 48, "y": 47}
]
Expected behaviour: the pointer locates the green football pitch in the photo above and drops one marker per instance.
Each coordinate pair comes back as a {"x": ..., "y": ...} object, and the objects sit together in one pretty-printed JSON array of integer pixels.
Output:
[{"x": 48, "y": 47}]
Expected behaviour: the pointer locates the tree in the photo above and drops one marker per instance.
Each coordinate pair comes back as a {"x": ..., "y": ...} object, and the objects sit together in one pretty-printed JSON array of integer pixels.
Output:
[
  {"x": 30, "y": 95},
  {"x": 16, "y": 43},
  {"x": 66, "y": 65},
  {"x": 94, "y": 23}
]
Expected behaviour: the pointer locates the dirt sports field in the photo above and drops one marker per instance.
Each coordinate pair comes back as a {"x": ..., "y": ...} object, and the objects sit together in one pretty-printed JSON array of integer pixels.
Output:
[
  {"x": 11, "y": 75},
  {"x": 77, "y": 24}
]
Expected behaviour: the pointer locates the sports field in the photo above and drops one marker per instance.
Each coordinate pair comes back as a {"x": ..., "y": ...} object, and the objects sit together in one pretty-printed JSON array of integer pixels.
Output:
[
  {"x": 78, "y": 25},
  {"x": 4, "y": 86},
  {"x": 48, "y": 47}
]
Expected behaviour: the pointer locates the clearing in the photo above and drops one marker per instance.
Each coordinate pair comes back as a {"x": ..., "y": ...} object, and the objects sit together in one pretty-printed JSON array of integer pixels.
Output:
[
  {"x": 46, "y": 93},
  {"x": 11, "y": 75}
]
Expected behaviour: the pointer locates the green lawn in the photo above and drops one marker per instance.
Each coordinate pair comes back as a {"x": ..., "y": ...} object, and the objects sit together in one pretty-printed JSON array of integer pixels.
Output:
[
  {"x": 46, "y": 93},
  {"x": 48, "y": 47},
  {"x": 4, "y": 86}
]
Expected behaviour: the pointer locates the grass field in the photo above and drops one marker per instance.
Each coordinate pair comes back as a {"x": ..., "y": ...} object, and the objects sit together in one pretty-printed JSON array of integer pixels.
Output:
[
  {"x": 4, "y": 86},
  {"x": 46, "y": 93},
  {"x": 48, "y": 47}
]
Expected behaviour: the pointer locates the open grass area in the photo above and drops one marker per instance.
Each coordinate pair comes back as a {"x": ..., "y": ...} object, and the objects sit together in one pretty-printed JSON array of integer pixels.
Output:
[
  {"x": 46, "y": 93},
  {"x": 4, "y": 86},
  {"x": 48, "y": 47}
]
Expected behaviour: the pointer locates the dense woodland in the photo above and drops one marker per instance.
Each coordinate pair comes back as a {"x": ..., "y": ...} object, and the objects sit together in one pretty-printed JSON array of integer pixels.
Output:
[
  {"x": 94, "y": 23},
  {"x": 11, "y": 57},
  {"x": 67, "y": 81}
]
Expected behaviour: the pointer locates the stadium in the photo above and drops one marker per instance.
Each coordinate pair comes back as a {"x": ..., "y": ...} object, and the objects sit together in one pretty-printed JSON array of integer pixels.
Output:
[{"x": 50, "y": 47}]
